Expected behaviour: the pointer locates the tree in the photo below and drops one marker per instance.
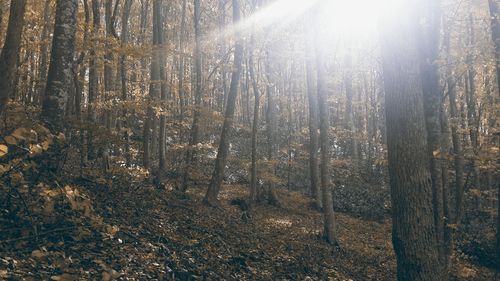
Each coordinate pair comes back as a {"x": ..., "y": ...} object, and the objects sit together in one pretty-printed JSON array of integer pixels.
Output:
[
  {"x": 123, "y": 73},
  {"x": 222, "y": 152},
  {"x": 324, "y": 142},
  {"x": 10, "y": 51},
  {"x": 428, "y": 40},
  {"x": 495, "y": 34},
  {"x": 414, "y": 235},
  {"x": 195, "y": 130},
  {"x": 154, "y": 84},
  {"x": 93, "y": 77},
  {"x": 312, "y": 96},
  {"x": 60, "y": 76}
]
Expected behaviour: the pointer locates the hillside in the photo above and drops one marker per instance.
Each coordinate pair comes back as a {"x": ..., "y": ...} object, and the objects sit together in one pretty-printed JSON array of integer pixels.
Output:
[{"x": 150, "y": 233}]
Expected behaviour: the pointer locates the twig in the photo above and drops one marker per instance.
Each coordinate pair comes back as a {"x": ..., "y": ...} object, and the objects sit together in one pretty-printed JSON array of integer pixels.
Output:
[{"x": 37, "y": 235}]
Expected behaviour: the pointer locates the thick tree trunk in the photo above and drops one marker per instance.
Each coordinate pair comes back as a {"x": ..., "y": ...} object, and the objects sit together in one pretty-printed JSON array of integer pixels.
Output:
[
  {"x": 222, "y": 153},
  {"x": 414, "y": 236},
  {"x": 60, "y": 77},
  {"x": 10, "y": 51}
]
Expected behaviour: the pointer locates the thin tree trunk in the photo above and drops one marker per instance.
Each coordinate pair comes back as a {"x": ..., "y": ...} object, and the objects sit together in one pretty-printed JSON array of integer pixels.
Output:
[
  {"x": 195, "y": 130},
  {"x": 44, "y": 51},
  {"x": 349, "y": 111},
  {"x": 455, "y": 137},
  {"x": 324, "y": 140},
  {"x": 154, "y": 89},
  {"x": 271, "y": 129},
  {"x": 255, "y": 124},
  {"x": 495, "y": 34},
  {"x": 123, "y": 71},
  {"x": 93, "y": 80},
  {"x": 312, "y": 96},
  {"x": 222, "y": 153},
  {"x": 163, "y": 94}
]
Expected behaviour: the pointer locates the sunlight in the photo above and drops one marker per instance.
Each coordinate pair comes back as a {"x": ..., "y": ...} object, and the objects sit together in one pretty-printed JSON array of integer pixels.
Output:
[{"x": 350, "y": 20}]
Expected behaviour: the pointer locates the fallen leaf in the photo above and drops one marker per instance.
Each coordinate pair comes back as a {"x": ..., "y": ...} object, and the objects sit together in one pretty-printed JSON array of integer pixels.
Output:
[
  {"x": 64, "y": 277},
  {"x": 38, "y": 254},
  {"x": 3, "y": 150},
  {"x": 10, "y": 140}
]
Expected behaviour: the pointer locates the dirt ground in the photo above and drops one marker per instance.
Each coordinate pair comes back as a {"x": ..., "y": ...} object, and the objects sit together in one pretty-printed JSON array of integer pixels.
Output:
[{"x": 159, "y": 234}]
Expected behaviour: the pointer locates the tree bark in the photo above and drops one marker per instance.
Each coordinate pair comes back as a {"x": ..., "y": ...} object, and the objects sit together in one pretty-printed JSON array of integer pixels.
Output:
[
  {"x": 495, "y": 34},
  {"x": 414, "y": 236},
  {"x": 255, "y": 124},
  {"x": 10, "y": 51},
  {"x": 349, "y": 111},
  {"x": 271, "y": 129},
  {"x": 93, "y": 79},
  {"x": 324, "y": 141},
  {"x": 195, "y": 130},
  {"x": 44, "y": 51},
  {"x": 312, "y": 96},
  {"x": 60, "y": 76},
  {"x": 154, "y": 88},
  {"x": 428, "y": 40},
  {"x": 222, "y": 153},
  {"x": 123, "y": 72}
]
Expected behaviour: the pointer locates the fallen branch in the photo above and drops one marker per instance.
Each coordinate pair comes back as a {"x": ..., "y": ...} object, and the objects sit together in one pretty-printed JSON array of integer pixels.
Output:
[{"x": 37, "y": 235}]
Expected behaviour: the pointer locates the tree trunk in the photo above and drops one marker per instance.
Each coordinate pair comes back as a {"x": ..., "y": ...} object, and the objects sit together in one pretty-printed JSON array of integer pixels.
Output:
[
  {"x": 271, "y": 129},
  {"x": 495, "y": 34},
  {"x": 255, "y": 124},
  {"x": 324, "y": 140},
  {"x": 349, "y": 111},
  {"x": 455, "y": 137},
  {"x": 10, "y": 51},
  {"x": 60, "y": 77},
  {"x": 312, "y": 96},
  {"x": 123, "y": 72},
  {"x": 44, "y": 51},
  {"x": 428, "y": 40},
  {"x": 470, "y": 97},
  {"x": 182, "y": 92},
  {"x": 445, "y": 141},
  {"x": 414, "y": 236},
  {"x": 93, "y": 80},
  {"x": 222, "y": 153},
  {"x": 195, "y": 130},
  {"x": 163, "y": 95},
  {"x": 154, "y": 88}
]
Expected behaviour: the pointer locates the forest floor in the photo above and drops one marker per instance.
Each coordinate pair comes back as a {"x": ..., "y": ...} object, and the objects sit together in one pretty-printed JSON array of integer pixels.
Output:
[{"x": 160, "y": 234}]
